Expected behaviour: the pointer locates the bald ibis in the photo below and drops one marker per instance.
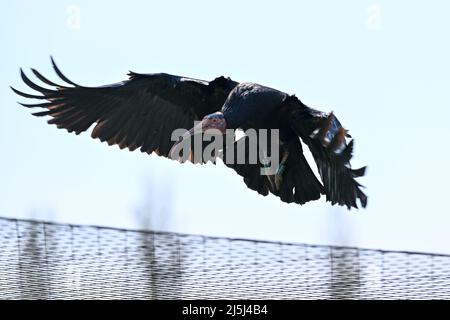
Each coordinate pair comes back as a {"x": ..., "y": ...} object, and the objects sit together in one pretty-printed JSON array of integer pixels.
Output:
[{"x": 142, "y": 112}]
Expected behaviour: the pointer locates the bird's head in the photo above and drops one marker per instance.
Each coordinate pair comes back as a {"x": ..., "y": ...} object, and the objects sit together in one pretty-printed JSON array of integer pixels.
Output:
[{"x": 214, "y": 121}]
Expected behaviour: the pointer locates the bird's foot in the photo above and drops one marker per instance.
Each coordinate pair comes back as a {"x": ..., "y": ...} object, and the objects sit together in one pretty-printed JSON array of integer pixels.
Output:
[{"x": 276, "y": 179}]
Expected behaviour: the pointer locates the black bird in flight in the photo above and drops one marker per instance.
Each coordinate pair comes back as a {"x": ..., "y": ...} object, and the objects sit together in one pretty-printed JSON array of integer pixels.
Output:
[{"x": 143, "y": 111}]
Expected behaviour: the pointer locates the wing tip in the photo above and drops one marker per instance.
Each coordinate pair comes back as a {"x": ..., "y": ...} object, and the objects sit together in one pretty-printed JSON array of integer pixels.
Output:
[
  {"x": 25, "y": 95},
  {"x": 359, "y": 172},
  {"x": 362, "y": 198},
  {"x": 60, "y": 74}
]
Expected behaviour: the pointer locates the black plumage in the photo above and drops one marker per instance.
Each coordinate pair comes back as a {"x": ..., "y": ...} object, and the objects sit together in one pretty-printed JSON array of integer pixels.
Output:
[{"x": 142, "y": 112}]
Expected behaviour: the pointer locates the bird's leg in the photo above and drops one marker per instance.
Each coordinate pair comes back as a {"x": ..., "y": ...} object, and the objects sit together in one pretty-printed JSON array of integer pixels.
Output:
[
  {"x": 276, "y": 179},
  {"x": 281, "y": 167}
]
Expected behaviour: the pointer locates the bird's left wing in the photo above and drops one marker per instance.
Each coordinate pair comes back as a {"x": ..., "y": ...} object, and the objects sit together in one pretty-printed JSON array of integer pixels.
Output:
[{"x": 141, "y": 112}]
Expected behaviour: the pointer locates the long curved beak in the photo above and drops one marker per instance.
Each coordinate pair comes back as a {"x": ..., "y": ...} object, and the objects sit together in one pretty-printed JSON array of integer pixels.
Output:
[{"x": 198, "y": 128}]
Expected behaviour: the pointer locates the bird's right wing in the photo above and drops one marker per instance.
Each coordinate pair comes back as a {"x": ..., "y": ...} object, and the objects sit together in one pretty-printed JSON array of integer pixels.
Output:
[{"x": 141, "y": 112}]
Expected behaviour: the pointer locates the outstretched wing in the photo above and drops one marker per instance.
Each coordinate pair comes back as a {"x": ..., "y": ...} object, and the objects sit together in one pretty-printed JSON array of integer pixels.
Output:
[
  {"x": 326, "y": 138},
  {"x": 141, "y": 112}
]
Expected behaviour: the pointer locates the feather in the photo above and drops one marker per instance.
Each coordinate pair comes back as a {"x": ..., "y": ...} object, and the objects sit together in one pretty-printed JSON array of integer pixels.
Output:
[{"x": 61, "y": 75}]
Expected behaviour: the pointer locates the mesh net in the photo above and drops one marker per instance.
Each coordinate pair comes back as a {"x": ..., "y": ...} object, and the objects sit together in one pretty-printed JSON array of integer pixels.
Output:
[{"x": 51, "y": 261}]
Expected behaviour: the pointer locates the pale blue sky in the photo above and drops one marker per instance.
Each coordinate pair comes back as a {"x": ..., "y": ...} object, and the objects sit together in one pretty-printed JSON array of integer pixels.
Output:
[{"x": 382, "y": 66}]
